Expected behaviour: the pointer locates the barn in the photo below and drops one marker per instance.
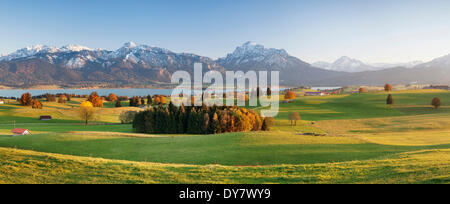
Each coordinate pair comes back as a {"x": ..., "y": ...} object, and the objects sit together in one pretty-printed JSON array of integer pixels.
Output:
[
  {"x": 20, "y": 131},
  {"x": 45, "y": 117}
]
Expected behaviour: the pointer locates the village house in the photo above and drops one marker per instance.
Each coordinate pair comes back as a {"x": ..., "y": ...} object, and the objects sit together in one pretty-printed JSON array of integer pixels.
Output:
[
  {"x": 318, "y": 93},
  {"x": 444, "y": 87},
  {"x": 20, "y": 131}
]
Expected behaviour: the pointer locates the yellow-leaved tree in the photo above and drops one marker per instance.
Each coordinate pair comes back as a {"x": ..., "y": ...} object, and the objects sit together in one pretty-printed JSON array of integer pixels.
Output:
[{"x": 86, "y": 111}]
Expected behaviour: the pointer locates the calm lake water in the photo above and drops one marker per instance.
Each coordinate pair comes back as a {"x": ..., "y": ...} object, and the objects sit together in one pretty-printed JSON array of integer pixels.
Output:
[{"x": 102, "y": 92}]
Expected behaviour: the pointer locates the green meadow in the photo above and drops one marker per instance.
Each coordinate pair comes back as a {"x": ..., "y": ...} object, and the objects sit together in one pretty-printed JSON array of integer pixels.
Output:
[{"x": 362, "y": 140}]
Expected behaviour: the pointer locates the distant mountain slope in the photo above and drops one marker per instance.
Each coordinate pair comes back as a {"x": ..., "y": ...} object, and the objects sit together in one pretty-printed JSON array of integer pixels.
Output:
[
  {"x": 420, "y": 74},
  {"x": 129, "y": 64},
  {"x": 347, "y": 64},
  {"x": 293, "y": 71},
  {"x": 141, "y": 64}
]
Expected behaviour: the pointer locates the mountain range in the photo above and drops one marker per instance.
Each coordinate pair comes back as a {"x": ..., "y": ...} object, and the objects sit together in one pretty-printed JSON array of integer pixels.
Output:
[
  {"x": 347, "y": 64},
  {"x": 134, "y": 64}
]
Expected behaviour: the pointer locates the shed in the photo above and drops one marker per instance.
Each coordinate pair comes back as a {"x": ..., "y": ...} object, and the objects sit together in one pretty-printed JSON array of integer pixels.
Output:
[{"x": 45, "y": 117}]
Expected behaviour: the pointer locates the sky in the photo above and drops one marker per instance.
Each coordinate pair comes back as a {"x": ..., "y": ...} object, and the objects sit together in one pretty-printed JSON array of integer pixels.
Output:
[{"x": 373, "y": 31}]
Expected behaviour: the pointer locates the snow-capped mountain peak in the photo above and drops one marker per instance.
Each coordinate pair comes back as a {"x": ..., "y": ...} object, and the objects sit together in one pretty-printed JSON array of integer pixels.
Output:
[
  {"x": 438, "y": 62},
  {"x": 252, "y": 48},
  {"x": 251, "y": 54},
  {"x": 73, "y": 48},
  {"x": 345, "y": 64},
  {"x": 129, "y": 45}
]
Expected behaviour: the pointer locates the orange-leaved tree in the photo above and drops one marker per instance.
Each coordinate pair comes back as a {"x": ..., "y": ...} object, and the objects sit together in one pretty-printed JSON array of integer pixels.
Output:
[
  {"x": 111, "y": 97},
  {"x": 388, "y": 87},
  {"x": 36, "y": 104},
  {"x": 290, "y": 95},
  {"x": 362, "y": 90},
  {"x": 95, "y": 99},
  {"x": 26, "y": 99}
]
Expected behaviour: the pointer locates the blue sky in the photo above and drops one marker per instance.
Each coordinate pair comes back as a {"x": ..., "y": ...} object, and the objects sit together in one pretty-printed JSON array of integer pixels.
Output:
[{"x": 370, "y": 30}]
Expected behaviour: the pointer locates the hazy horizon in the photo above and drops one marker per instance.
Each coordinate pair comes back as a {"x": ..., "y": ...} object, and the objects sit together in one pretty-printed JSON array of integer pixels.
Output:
[{"x": 373, "y": 32}]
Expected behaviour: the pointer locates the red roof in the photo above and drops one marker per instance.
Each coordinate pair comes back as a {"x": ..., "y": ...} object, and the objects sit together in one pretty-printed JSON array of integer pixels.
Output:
[{"x": 19, "y": 130}]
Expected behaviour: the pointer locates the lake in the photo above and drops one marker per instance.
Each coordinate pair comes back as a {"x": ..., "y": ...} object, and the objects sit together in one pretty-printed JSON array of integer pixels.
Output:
[{"x": 102, "y": 92}]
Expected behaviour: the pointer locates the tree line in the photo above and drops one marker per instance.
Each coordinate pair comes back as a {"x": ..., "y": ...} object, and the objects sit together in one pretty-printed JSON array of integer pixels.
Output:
[{"x": 199, "y": 120}]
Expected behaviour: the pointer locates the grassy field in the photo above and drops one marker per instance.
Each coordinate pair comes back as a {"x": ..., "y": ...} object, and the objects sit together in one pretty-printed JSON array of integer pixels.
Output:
[{"x": 365, "y": 141}]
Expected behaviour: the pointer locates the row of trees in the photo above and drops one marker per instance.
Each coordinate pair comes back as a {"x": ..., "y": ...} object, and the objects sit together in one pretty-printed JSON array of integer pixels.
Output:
[
  {"x": 137, "y": 101},
  {"x": 435, "y": 102},
  {"x": 27, "y": 100},
  {"x": 199, "y": 120},
  {"x": 387, "y": 88}
]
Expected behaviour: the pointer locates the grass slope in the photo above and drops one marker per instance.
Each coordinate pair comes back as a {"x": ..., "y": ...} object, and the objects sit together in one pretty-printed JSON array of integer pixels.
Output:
[{"x": 23, "y": 166}]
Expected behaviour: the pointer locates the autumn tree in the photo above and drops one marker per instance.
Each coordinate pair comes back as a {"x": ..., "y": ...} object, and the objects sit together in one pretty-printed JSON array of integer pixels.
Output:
[
  {"x": 362, "y": 90},
  {"x": 135, "y": 101},
  {"x": 86, "y": 112},
  {"x": 26, "y": 99},
  {"x": 268, "y": 123},
  {"x": 436, "y": 102},
  {"x": 390, "y": 100},
  {"x": 95, "y": 99},
  {"x": 36, "y": 104},
  {"x": 127, "y": 117},
  {"x": 149, "y": 99},
  {"x": 293, "y": 118},
  {"x": 62, "y": 99},
  {"x": 50, "y": 97},
  {"x": 111, "y": 97},
  {"x": 162, "y": 99},
  {"x": 118, "y": 103},
  {"x": 290, "y": 95},
  {"x": 388, "y": 87}
]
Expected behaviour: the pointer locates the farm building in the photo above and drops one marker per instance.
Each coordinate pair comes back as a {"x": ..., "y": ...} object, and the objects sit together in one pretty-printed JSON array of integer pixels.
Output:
[
  {"x": 443, "y": 87},
  {"x": 20, "y": 131},
  {"x": 315, "y": 93},
  {"x": 45, "y": 117}
]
